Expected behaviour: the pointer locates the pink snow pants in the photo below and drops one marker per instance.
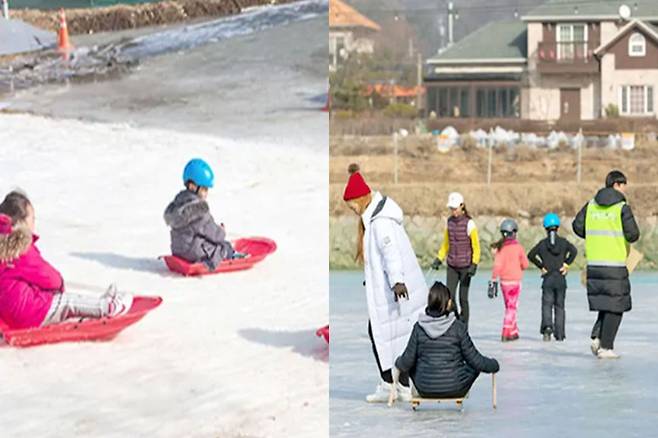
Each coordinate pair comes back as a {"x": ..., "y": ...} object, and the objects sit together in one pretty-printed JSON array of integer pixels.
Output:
[{"x": 511, "y": 292}]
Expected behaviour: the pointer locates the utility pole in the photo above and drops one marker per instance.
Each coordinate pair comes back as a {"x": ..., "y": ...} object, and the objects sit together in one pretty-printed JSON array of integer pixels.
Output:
[
  {"x": 491, "y": 142},
  {"x": 580, "y": 141},
  {"x": 5, "y": 9},
  {"x": 395, "y": 162},
  {"x": 452, "y": 16},
  {"x": 419, "y": 79}
]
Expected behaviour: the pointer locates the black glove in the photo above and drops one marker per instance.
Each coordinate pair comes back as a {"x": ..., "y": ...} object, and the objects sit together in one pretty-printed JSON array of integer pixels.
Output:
[
  {"x": 472, "y": 269},
  {"x": 436, "y": 264},
  {"x": 400, "y": 291},
  {"x": 492, "y": 290}
]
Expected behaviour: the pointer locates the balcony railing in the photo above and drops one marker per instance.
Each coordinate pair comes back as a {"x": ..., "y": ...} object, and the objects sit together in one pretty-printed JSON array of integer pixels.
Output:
[{"x": 566, "y": 57}]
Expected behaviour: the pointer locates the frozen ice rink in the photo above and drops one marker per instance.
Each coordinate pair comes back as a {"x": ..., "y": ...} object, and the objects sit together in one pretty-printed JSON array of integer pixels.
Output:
[{"x": 544, "y": 389}]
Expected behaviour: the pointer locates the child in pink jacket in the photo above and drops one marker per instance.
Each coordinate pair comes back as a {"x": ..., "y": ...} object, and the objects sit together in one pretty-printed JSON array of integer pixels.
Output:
[
  {"x": 31, "y": 290},
  {"x": 509, "y": 265}
]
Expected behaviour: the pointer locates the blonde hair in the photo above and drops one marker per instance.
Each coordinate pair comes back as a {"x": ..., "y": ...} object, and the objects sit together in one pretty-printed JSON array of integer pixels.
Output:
[{"x": 363, "y": 202}]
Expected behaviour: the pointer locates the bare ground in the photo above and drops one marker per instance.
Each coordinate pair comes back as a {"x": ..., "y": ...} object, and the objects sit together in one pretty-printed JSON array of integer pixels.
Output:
[
  {"x": 121, "y": 17},
  {"x": 525, "y": 182}
]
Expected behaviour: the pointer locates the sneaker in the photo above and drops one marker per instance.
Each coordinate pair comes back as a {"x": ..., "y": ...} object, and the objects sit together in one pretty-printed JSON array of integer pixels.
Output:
[
  {"x": 604, "y": 353},
  {"x": 595, "y": 346},
  {"x": 120, "y": 304},
  {"x": 381, "y": 393},
  {"x": 404, "y": 393}
]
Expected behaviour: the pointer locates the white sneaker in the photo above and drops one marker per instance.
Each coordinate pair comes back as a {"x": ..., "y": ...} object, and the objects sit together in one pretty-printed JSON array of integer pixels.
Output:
[
  {"x": 381, "y": 393},
  {"x": 120, "y": 304},
  {"x": 404, "y": 393},
  {"x": 607, "y": 354},
  {"x": 595, "y": 346}
]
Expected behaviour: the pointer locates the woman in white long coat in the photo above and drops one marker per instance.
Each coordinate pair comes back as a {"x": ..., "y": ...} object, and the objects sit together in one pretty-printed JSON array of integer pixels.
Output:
[{"x": 395, "y": 286}]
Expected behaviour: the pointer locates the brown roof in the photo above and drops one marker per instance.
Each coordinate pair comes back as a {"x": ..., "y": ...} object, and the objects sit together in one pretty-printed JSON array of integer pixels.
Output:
[{"x": 343, "y": 15}]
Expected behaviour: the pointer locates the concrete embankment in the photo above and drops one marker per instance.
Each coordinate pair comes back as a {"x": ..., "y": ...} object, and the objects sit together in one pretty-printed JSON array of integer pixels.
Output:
[{"x": 426, "y": 234}]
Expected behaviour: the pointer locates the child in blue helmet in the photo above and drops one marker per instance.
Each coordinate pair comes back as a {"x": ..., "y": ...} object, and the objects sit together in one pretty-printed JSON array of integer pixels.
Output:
[
  {"x": 195, "y": 236},
  {"x": 553, "y": 255}
]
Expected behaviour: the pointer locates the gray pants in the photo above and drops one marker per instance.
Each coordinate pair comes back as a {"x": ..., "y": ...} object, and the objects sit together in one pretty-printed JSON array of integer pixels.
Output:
[{"x": 67, "y": 305}]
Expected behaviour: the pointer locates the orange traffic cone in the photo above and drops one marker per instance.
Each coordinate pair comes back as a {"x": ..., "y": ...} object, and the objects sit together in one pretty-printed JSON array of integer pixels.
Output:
[{"x": 63, "y": 43}]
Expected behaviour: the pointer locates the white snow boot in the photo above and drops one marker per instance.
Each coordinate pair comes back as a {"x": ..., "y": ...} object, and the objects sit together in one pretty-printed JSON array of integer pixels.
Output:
[
  {"x": 607, "y": 354},
  {"x": 595, "y": 346},
  {"x": 404, "y": 393},
  {"x": 111, "y": 291},
  {"x": 381, "y": 393},
  {"x": 118, "y": 303}
]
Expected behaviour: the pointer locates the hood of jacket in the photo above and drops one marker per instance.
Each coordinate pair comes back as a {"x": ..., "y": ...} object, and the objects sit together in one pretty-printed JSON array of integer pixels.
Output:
[
  {"x": 381, "y": 207},
  {"x": 435, "y": 326},
  {"x": 15, "y": 242},
  {"x": 187, "y": 207},
  {"x": 609, "y": 196}
]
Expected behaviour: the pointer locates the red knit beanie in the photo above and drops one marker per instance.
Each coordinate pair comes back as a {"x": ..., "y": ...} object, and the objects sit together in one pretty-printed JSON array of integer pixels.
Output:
[{"x": 356, "y": 185}]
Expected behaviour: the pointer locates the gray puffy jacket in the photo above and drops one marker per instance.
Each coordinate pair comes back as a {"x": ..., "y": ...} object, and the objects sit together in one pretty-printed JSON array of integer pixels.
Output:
[{"x": 195, "y": 236}]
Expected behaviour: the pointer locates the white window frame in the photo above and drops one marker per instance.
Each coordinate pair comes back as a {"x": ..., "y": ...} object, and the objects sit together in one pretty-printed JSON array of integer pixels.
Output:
[
  {"x": 560, "y": 56},
  {"x": 632, "y": 44},
  {"x": 649, "y": 109}
]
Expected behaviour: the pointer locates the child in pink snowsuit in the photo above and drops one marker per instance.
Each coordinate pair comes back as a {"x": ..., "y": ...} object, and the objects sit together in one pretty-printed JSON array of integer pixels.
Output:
[
  {"x": 509, "y": 265},
  {"x": 31, "y": 290}
]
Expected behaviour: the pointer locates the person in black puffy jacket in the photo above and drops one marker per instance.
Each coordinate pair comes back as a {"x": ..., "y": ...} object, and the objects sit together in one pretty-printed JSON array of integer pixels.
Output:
[
  {"x": 552, "y": 256},
  {"x": 440, "y": 356}
]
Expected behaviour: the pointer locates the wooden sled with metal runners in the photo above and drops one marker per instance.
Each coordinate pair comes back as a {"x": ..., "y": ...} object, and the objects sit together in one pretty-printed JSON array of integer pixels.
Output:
[{"x": 417, "y": 400}]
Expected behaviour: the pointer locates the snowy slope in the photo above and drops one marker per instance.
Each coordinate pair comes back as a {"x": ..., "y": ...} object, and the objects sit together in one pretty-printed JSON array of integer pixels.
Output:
[{"x": 227, "y": 355}]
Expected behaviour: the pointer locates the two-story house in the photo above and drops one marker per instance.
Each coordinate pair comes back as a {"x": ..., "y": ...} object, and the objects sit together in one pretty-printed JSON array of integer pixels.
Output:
[{"x": 565, "y": 60}]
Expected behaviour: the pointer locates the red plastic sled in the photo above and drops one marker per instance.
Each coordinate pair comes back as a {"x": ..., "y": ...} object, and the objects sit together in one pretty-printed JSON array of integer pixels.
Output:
[
  {"x": 102, "y": 329},
  {"x": 323, "y": 332},
  {"x": 257, "y": 247}
]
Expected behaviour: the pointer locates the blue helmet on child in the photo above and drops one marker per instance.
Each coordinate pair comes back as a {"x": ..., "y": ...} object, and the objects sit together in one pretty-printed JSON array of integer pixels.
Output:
[
  {"x": 551, "y": 220},
  {"x": 199, "y": 172}
]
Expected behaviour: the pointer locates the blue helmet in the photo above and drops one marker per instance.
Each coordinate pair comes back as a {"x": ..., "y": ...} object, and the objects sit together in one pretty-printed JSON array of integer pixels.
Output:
[
  {"x": 551, "y": 220},
  {"x": 199, "y": 172}
]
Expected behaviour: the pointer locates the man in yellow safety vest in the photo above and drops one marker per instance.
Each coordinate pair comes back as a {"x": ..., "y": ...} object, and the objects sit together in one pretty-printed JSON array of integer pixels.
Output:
[{"x": 608, "y": 226}]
